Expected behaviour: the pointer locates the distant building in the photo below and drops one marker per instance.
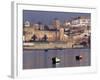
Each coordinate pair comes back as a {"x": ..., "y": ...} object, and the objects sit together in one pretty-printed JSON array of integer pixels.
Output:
[
  {"x": 36, "y": 26},
  {"x": 41, "y": 27},
  {"x": 66, "y": 24},
  {"x": 27, "y": 24},
  {"x": 81, "y": 21},
  {"x": 61, "y": 34},
  {"x": 80, "y": 24},
  {"x": 56, "y": 31},
  {"x": 30, "y": 31},
  {"x": 56, "y": 23}
]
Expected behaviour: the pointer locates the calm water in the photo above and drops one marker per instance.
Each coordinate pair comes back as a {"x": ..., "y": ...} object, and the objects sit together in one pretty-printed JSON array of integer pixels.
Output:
[{"x": 33, "y": 59}]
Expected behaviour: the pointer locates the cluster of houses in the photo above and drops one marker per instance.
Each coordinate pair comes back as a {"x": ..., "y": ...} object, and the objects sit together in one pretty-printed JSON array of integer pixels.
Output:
[{"x": 57, "y": 31}]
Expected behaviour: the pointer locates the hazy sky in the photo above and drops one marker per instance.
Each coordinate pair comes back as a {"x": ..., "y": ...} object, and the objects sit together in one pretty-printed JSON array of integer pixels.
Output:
[{"x": 46, "y": 17}]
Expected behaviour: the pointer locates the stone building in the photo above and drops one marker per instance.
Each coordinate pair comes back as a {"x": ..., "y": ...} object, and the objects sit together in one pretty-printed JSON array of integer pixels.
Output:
[
  {"x": 81, "y": 21},
  {"x": 30, "y": 31},
  {"x": 56, "y": 23},
  {"x": 61, "y": 34}
]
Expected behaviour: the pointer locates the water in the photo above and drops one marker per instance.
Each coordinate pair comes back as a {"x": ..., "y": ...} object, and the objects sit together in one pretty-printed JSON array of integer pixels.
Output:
[{"x": 35, "y": 59}]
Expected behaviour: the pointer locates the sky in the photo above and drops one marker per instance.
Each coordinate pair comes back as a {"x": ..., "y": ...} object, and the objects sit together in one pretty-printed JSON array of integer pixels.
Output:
[{"x": 46, "y": 17}]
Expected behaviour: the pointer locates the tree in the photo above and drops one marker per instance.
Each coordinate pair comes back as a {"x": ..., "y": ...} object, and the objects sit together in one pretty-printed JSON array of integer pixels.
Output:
[
  {"x": 45, "y": 37},
  {"x": 34, "y": 37}
]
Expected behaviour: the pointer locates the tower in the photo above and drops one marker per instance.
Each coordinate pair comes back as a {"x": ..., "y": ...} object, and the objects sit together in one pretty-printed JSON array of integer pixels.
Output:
[
  {"x": 61, "y": 32},
  {"x": 56, "y": 23}
]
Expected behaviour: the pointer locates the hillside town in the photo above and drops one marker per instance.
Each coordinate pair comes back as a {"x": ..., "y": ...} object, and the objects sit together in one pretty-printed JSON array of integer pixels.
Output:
[{"x": 73, "y": 33}]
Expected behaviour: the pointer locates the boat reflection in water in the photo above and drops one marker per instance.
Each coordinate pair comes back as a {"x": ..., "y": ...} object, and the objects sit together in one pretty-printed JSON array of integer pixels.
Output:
[{"x": 52, "y": 58}]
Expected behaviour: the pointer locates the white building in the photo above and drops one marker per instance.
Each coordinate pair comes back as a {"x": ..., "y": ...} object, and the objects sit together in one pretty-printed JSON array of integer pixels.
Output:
[
  {"x": 81, "y": 21},
  {"x": 27, "y": 24},
  {"x": 67, "y": 23}
]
